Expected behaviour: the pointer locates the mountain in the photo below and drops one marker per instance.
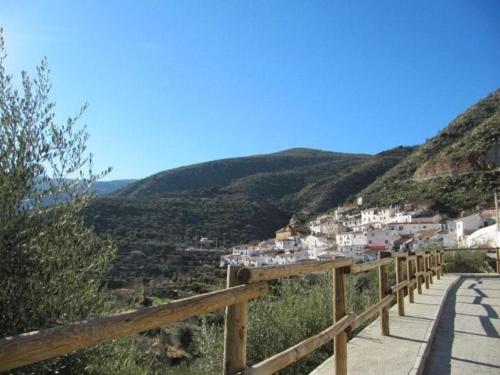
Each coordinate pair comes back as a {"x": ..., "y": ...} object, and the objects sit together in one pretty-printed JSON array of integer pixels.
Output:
[
  {"x": 454, "y": 171},
  {"x": 233, "y": 200},
  {"x": 103, "y": 188},
  {"x": 293, "y": 180},
  {"x": 224, "y": 173},
  {"x": 242, "y": 199},
  {"x": 100, "y": 188}
]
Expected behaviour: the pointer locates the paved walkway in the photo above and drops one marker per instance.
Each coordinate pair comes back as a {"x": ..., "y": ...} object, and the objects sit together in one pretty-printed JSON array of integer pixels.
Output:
[
  {"x": 468, "y": 334},
  {"x": 371, "y": 353}
]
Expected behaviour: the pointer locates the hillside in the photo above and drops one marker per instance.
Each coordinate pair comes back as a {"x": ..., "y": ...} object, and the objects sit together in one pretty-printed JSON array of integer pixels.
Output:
[
  {"x": 294, "y": 180},
  {"x": 222, "y": 173},
  {"x": 232, "y": 200},
  {"x": 242, "y": 199},
  {"x": 455, "y": 170},
  {"x": 102, "y": 188}
]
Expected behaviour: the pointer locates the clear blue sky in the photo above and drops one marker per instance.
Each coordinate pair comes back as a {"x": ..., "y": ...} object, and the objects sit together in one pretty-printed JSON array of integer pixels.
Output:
[{"x": 171, "y": 83}]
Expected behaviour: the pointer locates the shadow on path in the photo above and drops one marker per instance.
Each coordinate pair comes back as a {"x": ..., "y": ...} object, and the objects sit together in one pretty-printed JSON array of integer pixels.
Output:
[
  {"x": 441, "y": 357},
  {"x": 439, "y": 361}
]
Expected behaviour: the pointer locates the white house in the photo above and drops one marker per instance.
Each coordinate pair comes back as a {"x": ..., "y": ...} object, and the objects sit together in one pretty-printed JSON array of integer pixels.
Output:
[
  {"x": 351, "y": 220},
  {"x": 381, "y": 237},
  {"x": 351, "y": 238},
  {"x": 410, "y": 228},
  {"x": 254, "y": 261},
  {"x": 373, "y": 237},
  {"x": 467, "y": 225},
  {"x": 401, "y": 217},
  {"x": 451, "y": 225},
  {"x": 341, "y": 211},
  {"x": 292, "y": 257},
  {"x": 245, "y": 250},
  {"x": 286, "y": 244},
  {"x": 426, "y": 219},
  {"x": 377, "y": 215},
  {"x": 367, "y": 227},
  {"x": 232, "y": 260},
  {"x": 386, "y": 215},
  {"x": 326, "y": 228},
  {"x": 315, "y": 245}
]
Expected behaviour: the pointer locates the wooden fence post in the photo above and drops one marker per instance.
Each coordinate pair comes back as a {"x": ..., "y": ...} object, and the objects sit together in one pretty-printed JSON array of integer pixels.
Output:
[
  {"x": 383, "y": 287},
  {"x": 409, "y": 278},
  {"x": 339, "y": 311},
  {"x": 235, "y": 330},
  {"x": 400, "y": 293},
  {"x": 443, "y": 262},
  {"x": 418, "y": 264},
  {"x": 426, "y": 270},
  {"x": 431, "y": 278},
  {"x": 438, "y": 267},
  {"x": 498, "y": 260}
]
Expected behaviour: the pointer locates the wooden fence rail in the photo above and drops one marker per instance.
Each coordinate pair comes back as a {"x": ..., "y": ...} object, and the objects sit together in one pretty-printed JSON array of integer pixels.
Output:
[
  {"x": 296, "y": 352},
  {"x": 36, "y": 346},
  {"x": 245, "y": 283}
]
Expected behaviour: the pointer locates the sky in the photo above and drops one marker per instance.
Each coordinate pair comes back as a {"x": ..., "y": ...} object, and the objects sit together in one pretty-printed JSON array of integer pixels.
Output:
[{"x": 171, "y": 83}]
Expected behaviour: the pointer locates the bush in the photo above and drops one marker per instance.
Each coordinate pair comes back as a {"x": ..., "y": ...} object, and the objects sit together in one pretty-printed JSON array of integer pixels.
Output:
[
  {"x": 292, "y": 311},
  {"x": 468, "y": 261}
]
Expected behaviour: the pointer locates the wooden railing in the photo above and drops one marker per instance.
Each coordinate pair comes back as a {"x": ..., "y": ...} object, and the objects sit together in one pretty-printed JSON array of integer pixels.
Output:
[
  {"x": 418, "y": 268},
  {"x": 243, "y": 284}
]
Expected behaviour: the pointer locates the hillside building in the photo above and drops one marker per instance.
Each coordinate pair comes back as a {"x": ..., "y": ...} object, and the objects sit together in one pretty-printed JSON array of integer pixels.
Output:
[
  {"x": 410, "y": 228},
  {"x": 471, "y": 223},
  {"x": 293, "y": 229},
  {"x": 326, "y": 225}
]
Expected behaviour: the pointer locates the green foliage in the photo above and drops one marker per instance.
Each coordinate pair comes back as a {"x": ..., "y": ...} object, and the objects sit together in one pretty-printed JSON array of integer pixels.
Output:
[
  {"x": 52, "y": 264},
  {"x": 227, "y": 172},
  {"x": 291, "y": 312},
  {"x": 125, "y": 356},
  {"x": 243, "y": 199},
  {"x": 469, "y": 261}
]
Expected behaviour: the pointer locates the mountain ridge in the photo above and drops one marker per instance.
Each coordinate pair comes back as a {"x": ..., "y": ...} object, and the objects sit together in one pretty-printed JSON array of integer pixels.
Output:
[
  {"x": 454, "y": 170},
  {"x": 243, "y": 201},
  {"x": 222, "y": 171},
  {"x": 237, "y": 200}
]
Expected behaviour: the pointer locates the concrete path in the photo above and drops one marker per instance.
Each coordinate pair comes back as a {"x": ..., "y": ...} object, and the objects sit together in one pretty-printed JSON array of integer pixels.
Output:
[
  {"x": 468, "y": 334},
  {"x": 403, "y": 351}
]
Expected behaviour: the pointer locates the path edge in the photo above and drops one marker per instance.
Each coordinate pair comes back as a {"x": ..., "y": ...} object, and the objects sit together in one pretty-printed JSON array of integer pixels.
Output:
[{"x": 425, "y": 348}]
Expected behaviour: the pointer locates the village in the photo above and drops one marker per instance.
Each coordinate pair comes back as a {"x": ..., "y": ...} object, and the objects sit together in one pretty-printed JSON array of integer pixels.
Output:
[{"x": 362, "y": 234}]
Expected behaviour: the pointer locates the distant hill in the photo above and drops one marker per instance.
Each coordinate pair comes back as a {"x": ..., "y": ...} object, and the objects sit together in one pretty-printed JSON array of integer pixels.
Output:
[
  {"x": 224, "y": 173},
  {"x": 455, "y": 170},
  {"x": 242, "y": 199},
  {"x": 234, "y": 200},
  {"x": 102, "y": 188},
  {"x": 294, "y": 180}
]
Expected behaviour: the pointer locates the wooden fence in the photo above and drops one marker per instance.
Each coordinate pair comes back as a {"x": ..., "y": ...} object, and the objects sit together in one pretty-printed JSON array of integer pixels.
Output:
[{"x": 412, "y": 271}]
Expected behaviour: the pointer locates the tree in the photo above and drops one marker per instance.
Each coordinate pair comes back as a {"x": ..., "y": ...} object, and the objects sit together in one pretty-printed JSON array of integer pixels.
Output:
[{"x": 52, "y": 265}]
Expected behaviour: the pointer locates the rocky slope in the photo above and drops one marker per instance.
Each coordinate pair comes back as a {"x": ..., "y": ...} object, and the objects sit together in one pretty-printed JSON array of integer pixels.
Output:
[{"x": 455, "y": 170}]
